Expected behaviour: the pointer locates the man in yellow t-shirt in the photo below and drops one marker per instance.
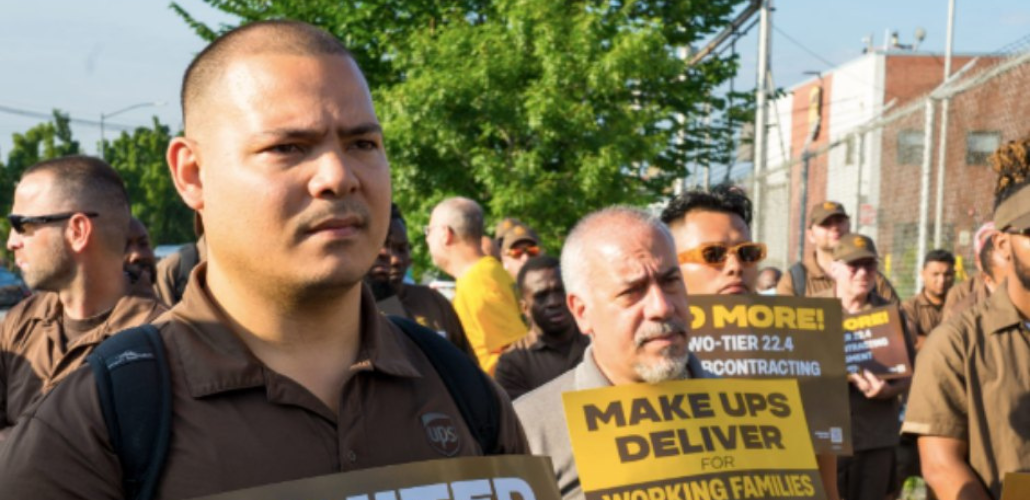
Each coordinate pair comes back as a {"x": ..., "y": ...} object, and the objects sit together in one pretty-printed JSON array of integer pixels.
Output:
[{"x": 485, "y": 297}]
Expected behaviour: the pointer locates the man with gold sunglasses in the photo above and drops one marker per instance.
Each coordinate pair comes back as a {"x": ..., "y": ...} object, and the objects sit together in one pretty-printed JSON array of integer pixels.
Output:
[
  {"x": 716, "y": 256},
  {"x": 519, "y": 243}
]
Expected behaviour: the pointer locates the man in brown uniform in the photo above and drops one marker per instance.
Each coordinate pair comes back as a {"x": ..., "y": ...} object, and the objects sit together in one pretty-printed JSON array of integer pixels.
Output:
[
  {"x": 925, "y": 308},
  {"x": 69, "y": 226},
  {"x": 970, "y": 393},
  {"x": 713, "y": 227},
  {"x": 281, "y": 366},
  {"x": 173, "y": 271},
  {"x": 870, "y": 474},
  {"x": 554, "y": 344},
  {"x": 140, "y": 263},
  {"x": 827, "y": 224},
  {"x": 518, "y": 244},
  {"x": 991, "y": 270},
  {"x": 420, "y": 303}
]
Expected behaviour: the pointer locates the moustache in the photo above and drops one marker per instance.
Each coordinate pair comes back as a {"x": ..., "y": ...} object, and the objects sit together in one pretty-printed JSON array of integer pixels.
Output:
[
  {"x": 654, "y": 329},
  {"x": 337, "y": 210}
]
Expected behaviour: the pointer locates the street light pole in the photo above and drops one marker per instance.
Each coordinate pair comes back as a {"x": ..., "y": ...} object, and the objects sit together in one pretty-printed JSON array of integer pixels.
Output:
[{"x": 105, "y": 116}]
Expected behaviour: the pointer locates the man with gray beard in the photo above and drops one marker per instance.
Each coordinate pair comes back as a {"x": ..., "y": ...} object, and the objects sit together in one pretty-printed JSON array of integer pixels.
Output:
[{"x": 625, "y": 290}]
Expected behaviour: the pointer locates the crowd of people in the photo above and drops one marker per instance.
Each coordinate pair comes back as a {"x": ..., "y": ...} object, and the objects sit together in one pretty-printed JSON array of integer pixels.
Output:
[{"x": 289, "y": 342}]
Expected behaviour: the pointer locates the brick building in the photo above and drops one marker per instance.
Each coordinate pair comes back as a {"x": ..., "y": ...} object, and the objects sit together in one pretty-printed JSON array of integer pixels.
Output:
[{"x": 877, "y": 174}]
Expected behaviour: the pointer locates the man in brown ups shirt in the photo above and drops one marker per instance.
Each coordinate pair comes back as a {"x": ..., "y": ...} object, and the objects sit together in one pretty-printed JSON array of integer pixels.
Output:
[
  {"x": 69, "y": 229},
  {"x": 828, "y": 222},
  {"x": 924, "y": 310},
  {"x": 870, "y": 474},
  {"x": 281, "y": 366},
  {"x": 554, "y": 344},
  {"x": 970, "y": 398},
  {"x": 420, "y": 303}
]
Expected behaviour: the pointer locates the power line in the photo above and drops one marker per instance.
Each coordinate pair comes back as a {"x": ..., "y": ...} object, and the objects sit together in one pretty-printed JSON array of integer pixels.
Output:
[{"x": 77, "y": 121}]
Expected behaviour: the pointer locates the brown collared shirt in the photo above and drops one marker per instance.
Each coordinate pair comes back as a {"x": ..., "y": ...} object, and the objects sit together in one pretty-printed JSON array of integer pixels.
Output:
[
  {"x": 40, "y": 346},
  {"x": 874, "y": 422},
  {"x": 972, "y": 383},
  {"x": 238, "y": 424},
  {"x": 817, "y": 281},
  {"x": 533, "y": 361},
  {"x": 964, "y": 296},
  {"x": 925, "y": 315}
]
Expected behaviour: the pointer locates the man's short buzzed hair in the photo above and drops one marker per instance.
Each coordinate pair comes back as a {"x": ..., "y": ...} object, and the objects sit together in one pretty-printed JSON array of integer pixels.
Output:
[
  {"x": 607, "y": 223},
  {"x": 91, "y": 185},
  {"x": 538, "y": 263},
  {"x": 464, "y": 216},
  {"x": 939, "y": 255},
  {"x": 724, "y": 198},
  {"x": 278, "y": 36}
]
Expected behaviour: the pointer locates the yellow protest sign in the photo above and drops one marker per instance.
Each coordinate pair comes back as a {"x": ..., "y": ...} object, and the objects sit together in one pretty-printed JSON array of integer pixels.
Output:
[
  {"x": 759, "y": 336},
  {"x": 874, "y": 340},
  {"x": 510, "y": 477},
  {"x": 693, "y": 439}
]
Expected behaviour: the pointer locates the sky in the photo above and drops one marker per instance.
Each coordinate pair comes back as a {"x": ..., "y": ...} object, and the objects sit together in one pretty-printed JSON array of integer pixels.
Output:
[{"x": 102, "y": 56}]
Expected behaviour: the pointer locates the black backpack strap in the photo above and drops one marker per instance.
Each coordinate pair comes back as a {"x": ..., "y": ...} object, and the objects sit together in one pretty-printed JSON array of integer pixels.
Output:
[
  {"x": 189, "y": 257},
  {"x": 134, "y": 387},
  {"x": 470, "y": 388},
  {"x": 798, "y": 278}
]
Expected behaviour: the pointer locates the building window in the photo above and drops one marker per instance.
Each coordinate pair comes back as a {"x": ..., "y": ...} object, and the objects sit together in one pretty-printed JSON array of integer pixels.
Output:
[
  {"x": 980, "y": 145},
  {"x": 910, "y": 147}
]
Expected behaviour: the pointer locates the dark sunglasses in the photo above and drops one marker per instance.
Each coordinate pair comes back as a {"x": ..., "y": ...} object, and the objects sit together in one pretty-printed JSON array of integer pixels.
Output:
[
  {"x": 531, "y": 250},
  {"x": 18, "y": 222},
  {"x": 715, "y": 254}
]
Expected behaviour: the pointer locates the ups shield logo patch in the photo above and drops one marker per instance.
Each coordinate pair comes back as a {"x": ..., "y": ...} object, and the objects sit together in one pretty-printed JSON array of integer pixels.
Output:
[
  {"x": 442, "y": 433},
  {"x": 859, "y": 242}
]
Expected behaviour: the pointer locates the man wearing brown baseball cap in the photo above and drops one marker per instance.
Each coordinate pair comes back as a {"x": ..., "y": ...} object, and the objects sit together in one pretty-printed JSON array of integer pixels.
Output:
[
  {"x": 969, "y": 400},
  {"x": 870, "y": 473},
  {"x": 519, "y": 243},
  {"x": 828, "y": 223}
]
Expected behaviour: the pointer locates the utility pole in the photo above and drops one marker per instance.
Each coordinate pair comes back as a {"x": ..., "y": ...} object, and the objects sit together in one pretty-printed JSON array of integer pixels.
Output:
[
  {"x": 924, "y": 192},
  {"x": 761, "y": 113},
  {"x": 942, "y": 148}
]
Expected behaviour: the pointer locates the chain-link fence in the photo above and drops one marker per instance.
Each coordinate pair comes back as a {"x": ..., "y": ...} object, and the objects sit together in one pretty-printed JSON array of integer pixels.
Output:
[{"x": 870, "y": 132}]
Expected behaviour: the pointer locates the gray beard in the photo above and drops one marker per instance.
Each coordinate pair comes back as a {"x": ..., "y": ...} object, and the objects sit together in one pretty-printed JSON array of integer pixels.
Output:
[{"x": 672, "y": 366}]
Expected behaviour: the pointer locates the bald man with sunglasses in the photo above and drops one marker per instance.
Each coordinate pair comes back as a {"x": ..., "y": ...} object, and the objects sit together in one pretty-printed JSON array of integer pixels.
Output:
[{"x": 717, "y": 257}]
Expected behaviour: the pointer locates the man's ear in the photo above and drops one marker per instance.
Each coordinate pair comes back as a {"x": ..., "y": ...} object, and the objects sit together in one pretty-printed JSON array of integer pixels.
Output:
[
  {"x": 809, "y": 236},
  {"x": 184, "y": 163},
  {"x": 79, "y": 231},
  {"x": 578, "y": 307},
  {"x": 524, "y": 307}
]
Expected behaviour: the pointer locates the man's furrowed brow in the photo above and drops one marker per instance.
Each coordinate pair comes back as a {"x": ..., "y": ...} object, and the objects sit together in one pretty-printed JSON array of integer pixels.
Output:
[{"x": 362, "y": 129}]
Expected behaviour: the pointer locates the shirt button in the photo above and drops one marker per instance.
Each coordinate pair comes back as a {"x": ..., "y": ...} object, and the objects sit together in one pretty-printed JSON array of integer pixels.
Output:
[{"x": 353, "y": 457}]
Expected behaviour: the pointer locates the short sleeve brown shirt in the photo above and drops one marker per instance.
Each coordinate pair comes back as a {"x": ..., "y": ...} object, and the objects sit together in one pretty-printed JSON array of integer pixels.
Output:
[
  {"x": 925, "y": 315},
  {"x": 39, "y": 346},
  {"x": 817, "y": 281},
  {"x": 238, "y": 424},
  {"x": 532, "y": 362},
  {"x": 971, "y": 383}
]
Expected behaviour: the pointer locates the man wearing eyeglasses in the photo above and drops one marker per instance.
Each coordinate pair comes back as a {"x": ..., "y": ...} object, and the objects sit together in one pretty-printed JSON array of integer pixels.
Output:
[
  {"x": 869, "y": 474},
  {"x": 518, "y": 244},
  {"x": 69, "y": 228},
  {"x": 970, "y": 398},
  {"x": 712, "y": 231},
  {"x": 828, "y": 222},
  {"x": 484, "y": 296}
]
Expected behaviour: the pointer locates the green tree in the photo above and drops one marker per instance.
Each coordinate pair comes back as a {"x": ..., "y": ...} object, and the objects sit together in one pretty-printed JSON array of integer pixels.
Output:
[
  {"x": 539, "y": 109},
  {"x": 140, "y": 159},
  {"x": 45, "y": 141}
]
